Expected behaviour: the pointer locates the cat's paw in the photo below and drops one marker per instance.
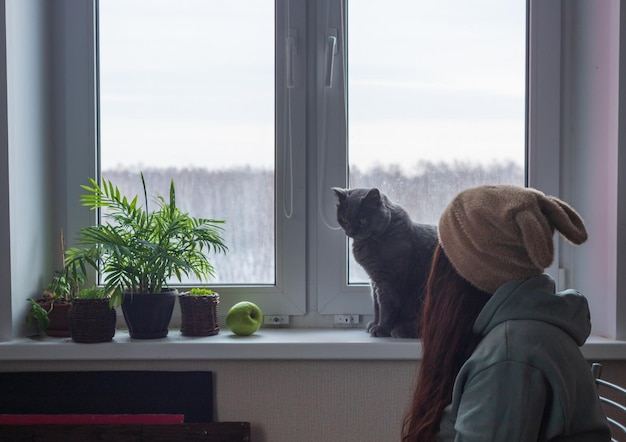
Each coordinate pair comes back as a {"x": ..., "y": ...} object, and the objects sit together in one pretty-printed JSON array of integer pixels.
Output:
[
  {"x": 405, "y": 331},
  {"x": 377, "y": 331},
  {"x": 371, "y": 325}
]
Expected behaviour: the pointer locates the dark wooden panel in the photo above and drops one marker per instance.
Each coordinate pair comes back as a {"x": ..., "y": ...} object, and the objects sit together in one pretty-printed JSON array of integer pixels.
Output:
[
  {"x": 71, "y": 433},
  {"x": 216, "y": 432},
  {"x": 199, "y": 432},
  {"x": 109, "y": 392}
]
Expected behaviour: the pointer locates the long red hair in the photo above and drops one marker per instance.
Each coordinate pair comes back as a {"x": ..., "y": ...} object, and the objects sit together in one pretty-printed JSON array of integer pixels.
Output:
[{"x": 450, "y": 309}]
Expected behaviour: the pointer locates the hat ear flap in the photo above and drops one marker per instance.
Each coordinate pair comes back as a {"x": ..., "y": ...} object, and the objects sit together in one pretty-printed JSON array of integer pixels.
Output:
[
  {"x": 564, "y": 218},
  {"x": 538, "y": 242}
]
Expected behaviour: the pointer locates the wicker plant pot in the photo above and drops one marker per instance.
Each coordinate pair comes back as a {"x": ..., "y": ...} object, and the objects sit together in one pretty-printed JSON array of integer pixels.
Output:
[
  {"x": 92, "y": 320},
  {"x": 199, "y": 314}
]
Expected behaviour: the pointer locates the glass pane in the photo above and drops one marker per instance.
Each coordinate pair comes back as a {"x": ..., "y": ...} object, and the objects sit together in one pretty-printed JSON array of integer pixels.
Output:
[
  {"x": 187, "y": 93},
  {"x": 436, "y": 99}
]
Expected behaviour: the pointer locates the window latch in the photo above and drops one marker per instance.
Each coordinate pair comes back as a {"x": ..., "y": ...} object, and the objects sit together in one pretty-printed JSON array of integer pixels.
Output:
[
  {"x": 331, "y": 50},
  {"x": 291, "y": 49}
]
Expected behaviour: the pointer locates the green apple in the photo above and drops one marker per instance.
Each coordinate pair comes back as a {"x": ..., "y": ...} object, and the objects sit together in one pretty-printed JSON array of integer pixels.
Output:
[{"x": 244, "y": 318}]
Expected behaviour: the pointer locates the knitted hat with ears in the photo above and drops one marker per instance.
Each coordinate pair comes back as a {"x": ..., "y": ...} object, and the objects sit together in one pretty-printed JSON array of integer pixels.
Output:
[{"x": 494, "y": 234}]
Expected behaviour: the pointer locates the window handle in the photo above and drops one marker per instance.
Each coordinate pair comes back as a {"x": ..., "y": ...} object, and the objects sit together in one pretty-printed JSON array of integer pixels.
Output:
[
  {"x": 331, "y": 50},
  {"x": 291, "y": 49}
]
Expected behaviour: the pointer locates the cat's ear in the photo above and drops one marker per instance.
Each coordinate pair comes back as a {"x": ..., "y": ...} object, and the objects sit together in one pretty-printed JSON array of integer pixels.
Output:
[
  {"x": 373, "y": 196},
  {"x": 342, "y": 194}
]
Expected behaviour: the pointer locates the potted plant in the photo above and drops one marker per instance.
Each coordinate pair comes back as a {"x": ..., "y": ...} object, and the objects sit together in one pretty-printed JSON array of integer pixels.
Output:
[
  {"x": 91, "y": 317},
  {"x": 139, "y": 251},
  {"x": 198, "y": 309},
  {"x": 50, "y": 312}
]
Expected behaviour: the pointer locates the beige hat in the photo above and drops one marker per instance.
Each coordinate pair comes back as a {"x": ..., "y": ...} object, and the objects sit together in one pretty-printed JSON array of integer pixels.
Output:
[{"x": 494, "y": 234}]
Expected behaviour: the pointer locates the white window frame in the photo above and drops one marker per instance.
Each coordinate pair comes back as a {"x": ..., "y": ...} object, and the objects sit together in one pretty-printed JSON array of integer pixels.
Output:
[
  {"x": 288, "y": 295},
  {"x": 333, "y": 295},
  {"x": 557, "y": 164}
]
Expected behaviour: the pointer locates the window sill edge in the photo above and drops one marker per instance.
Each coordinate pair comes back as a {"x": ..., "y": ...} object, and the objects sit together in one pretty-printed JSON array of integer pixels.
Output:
[{"x": 266, "y": 344}]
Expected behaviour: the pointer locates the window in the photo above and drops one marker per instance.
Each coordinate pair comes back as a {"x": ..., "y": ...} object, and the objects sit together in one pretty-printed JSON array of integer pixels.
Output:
[
  {"x": 573, "y": 133},
  {"x": 320, "y": 131},
  {"x": 426, "y": 99},
  {"x": 187, "y": 94},
  {"x": 436, "y": 99},
  {"x": 215, "y": 94}
]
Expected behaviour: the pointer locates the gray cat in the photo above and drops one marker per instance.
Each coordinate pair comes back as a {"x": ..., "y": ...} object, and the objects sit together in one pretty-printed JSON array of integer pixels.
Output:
[{"x": 396, "y": 254}]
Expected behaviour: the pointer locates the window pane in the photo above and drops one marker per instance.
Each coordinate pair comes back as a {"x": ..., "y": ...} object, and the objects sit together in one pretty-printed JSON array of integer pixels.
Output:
[
  {"x": 436, "y": 94},
  {"x": 187, "y": 93}
]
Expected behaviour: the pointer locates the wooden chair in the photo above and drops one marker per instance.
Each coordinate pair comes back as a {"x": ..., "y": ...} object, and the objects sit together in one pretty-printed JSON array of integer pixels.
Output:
[{"x": 613, "y": 398}]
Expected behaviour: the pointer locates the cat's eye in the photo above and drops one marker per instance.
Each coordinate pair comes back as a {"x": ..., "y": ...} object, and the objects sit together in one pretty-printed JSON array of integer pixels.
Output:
[{"x": 362, "y": 221}]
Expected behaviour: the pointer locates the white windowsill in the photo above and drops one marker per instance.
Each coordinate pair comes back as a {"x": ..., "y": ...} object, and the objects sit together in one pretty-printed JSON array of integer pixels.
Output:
[{"x": 286, "y": 344}]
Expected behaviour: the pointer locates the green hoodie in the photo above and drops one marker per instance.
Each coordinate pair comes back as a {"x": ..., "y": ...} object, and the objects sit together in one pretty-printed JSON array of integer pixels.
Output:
[{"x": 527, "y": 379}]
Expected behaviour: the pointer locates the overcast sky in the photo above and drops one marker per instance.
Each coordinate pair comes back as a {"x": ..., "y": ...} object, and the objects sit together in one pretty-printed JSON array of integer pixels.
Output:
[{"x": 436, "y": 81}]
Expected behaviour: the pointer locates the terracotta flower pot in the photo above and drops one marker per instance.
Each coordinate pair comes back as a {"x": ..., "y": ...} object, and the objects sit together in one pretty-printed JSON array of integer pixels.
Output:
[{"x": 59, "y": 323}]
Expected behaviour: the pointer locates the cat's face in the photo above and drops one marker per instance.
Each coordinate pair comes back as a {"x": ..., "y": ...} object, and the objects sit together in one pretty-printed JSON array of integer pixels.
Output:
[{"x": 361, "y": 213}]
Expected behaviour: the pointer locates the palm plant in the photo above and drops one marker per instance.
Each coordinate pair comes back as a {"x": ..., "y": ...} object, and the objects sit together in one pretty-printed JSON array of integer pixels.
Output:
[{"x": 139, "y": 250}]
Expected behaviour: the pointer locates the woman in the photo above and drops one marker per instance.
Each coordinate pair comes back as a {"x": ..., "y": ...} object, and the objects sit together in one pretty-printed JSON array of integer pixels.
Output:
[{"x": 501, "y": 358}]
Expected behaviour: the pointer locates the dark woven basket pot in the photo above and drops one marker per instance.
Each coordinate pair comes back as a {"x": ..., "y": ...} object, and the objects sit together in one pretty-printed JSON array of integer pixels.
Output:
[
  {"x": 92, "y": 320},
  {"x": 199, "y": 314}
]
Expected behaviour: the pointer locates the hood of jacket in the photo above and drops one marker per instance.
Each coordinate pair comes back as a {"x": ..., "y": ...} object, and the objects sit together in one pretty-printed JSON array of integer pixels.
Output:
[{"x": 536, "y": 299}]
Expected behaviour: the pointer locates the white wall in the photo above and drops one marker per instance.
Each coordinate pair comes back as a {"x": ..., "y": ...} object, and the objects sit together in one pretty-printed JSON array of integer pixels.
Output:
[
  {"x": 6, "y": 317},
  {"x": 590, "y": 163},
  {"x": 28, "y": 237},
  {"x": 35, "y": 113}
]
